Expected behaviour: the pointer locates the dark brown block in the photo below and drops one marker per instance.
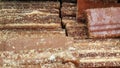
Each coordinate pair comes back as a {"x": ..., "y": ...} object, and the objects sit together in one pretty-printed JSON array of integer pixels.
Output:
[
  {"x": 30, "y": 5},
  {"x": 68, "y": 11},
  {"x": 47, "y": 4},
  {"x": 76, "y": 30},
  {"x": 103, "y": 22}
]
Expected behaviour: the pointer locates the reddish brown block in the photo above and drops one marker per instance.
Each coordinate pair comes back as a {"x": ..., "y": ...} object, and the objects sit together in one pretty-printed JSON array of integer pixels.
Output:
[
  {"x": 103, "y": 22},
  {"x": 87, "y": 4}
]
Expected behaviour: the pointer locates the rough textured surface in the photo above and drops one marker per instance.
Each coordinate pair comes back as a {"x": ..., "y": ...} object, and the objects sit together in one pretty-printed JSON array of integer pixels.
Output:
[
  {"x": 104, "y": 23},
  {"x": 66, "y": 4},
  {"x": 68, "y": 11},
  {"x": 34, "y": 16},
  {"x": 87, "y": 4},
  {"x": 29, "y": 19},
  {"x": 99, "y": 53},
  {"x": 40, "y": 10},
  {"x": 44, "y": 44},
  {"x": 47, "y": 27},
  {"x": 30, "y": 5},
  {"x": 26, "y": 40},
  {"x": 76, "y": 55},
  {"x": 66, "y": 20},
  {"x": 76, "y": 30},
  {"x": 59, "y": 65}
]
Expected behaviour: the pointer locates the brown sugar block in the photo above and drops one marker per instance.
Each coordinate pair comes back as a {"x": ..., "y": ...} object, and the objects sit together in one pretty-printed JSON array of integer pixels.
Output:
[
  {"x": 76, "y": 30},
  {"x": 105, "y": 34},
  {"x": 10, "y": 12},
  {"x": 31, "y": 19},
  {"x": 19, "y": 32},
  {"x": 100, "y": 62},
  {"x": 23, "y": 66},
  {"x": 103, "y": 22},
  {"x": 88, "y": 4},
  {"x": 68, "y": 11},
  {"x": 106, "y": 12},
  {"x": 48, "y": 18},
  {"x": 97, "y": 43},
  {"x": 99, "y": 52},
  {"x": 47, "y": 4},
  {"x": 98, "y": 47},
  {"x": 16, "y": 11},
  {"x": 30, "y": 5},
  {"x": 47, "y": 27},
  {"x": 66, "y": 20},
  {"x": 36, "y": 57},
  {"x": 78, "y": 55},
  {"x": 55, "y": 11},
  {"x": 28, "y": 41},
  {"x": 66, "y": 4},
  {"x": 105, "y": 27},
  {"x": 59, "y": 65}
]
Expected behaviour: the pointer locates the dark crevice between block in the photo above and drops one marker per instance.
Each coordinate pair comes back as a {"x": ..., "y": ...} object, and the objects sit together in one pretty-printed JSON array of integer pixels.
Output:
[
  {"x": 66, "y": 31},
  {"x": 60, "y": 13}
]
